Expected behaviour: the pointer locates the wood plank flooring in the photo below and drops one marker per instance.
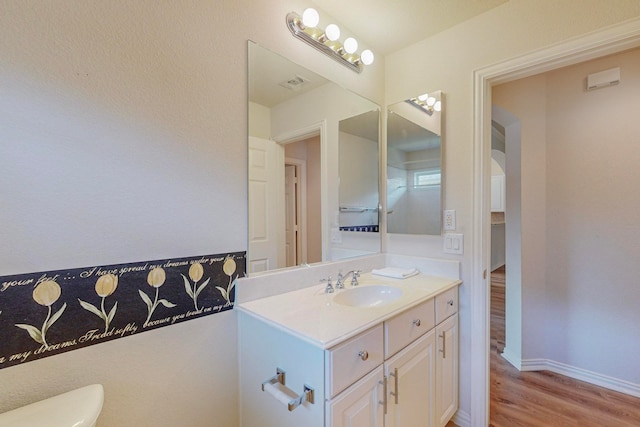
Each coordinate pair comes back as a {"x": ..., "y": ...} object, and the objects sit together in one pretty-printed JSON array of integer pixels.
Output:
[{"x": 543, "y": 398}]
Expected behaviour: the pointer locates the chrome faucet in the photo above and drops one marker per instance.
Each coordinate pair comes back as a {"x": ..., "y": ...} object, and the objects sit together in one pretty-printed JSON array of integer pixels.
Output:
[
  {"x": 329, "y": 288},
  {"x": 355, "y": 274}
]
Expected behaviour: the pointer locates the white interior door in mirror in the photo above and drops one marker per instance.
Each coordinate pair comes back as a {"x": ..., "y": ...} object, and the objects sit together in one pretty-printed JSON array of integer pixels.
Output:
[{"x": 266, "y": 202}]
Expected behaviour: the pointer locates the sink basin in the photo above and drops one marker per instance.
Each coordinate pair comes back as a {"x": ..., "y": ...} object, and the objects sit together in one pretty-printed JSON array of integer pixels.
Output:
[{"x": 368, "y": 296}]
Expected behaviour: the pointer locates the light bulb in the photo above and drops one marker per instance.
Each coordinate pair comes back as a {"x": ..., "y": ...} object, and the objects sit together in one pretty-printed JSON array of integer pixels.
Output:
[
  {"x": 367, "y": 57},
  {"x": 423, "y": 97},
  {"x": 332, "y": 32},
  {"x": 437, "y": 106},
  {"x": 310, "y": 17},
  {"x": 430, "y": 101},
  {"x": 350, "y": 45}
]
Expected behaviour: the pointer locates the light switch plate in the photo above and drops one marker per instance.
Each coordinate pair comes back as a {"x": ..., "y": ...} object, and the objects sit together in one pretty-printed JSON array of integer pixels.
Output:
[
  {"x": 453, "y": 243},
  {"x": 449, "y": 220}
]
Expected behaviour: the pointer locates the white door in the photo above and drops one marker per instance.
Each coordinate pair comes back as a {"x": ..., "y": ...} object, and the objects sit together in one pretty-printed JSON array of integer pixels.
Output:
[
  {"x": 359, "y": 405},
  {"x": 291, "y": 214},
  {"x": 411, "y": 385},
  {"x": 266, "y": 204},
  {"x": 447, "y": 370}
]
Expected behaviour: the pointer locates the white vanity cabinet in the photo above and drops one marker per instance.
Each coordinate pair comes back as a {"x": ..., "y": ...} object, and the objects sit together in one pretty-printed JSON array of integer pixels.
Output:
[
  {"x": 447, "y": 356},
  {"x": 411, "y": 384},
  {"x": 362, "y": 404},
  {"x": 401, "y": 371},
  {"x": 423, "y": 377},
  {"x": 446, "y": 371}
]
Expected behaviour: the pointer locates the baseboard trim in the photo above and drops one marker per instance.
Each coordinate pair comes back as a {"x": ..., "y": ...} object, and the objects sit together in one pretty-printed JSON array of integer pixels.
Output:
[
  {"x": 462, "y": 419},
  {"x": 580, "y": 374},
  {"x": 497, "y": 266},
  {"x": 512, "y": 359}
]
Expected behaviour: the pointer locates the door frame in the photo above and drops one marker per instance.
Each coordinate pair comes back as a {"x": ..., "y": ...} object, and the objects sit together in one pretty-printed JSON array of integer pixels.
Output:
[
  {"x": 593, "y": 45},
  {"x": 315, "y": 129},
  {"x": 301, "y": 207}
]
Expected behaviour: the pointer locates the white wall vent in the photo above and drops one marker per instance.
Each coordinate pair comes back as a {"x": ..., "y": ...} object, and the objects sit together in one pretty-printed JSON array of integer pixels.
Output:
[
  {"x": 603, "y": 79},
  {"x": 295, "y": 83}
]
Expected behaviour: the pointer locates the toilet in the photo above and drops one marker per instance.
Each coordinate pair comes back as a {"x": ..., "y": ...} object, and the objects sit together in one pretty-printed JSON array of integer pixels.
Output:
[{"x": 77, "y": 408}]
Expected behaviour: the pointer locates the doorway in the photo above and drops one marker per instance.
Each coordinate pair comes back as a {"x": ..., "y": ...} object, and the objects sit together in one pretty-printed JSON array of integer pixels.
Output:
[
  {"x": 595, "y": 45},
  {"x": 303, "y": 230},
  {"x": 295, "y": 196}
]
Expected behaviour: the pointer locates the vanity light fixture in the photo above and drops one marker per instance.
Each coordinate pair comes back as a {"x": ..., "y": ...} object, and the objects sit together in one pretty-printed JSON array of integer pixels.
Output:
[
  {"x": 306, "y": 28},
  {"x": 427, "y": 103}
]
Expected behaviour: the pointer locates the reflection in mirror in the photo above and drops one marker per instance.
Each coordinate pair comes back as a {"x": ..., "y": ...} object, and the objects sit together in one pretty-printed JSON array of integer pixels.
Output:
[
  {"x": 359, "y": 192},
  {"x": 298, "y": 121},
  {"x": 414, "y": 167}
]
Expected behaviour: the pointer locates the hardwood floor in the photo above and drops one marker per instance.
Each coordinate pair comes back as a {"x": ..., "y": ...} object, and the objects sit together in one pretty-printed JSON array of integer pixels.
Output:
[{"x": 543, "y": 398}]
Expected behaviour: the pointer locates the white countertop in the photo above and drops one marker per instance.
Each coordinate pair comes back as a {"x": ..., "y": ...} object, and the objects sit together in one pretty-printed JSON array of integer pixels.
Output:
[{"x": 312, "y": 315}]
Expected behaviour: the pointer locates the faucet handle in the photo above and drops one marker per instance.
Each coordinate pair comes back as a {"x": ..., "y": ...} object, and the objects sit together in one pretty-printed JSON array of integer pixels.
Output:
[
  {"x": 340, "y": 281},
  {"x": 329, "y": 288},
  {"x": 355, "y": 277}
]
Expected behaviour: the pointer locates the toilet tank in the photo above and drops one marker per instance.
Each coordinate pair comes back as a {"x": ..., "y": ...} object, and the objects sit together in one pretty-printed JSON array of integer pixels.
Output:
[{"x": 77, "y": 408}]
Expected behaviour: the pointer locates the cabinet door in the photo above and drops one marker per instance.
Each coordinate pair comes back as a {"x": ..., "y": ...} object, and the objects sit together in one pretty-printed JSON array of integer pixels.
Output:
[
  {"x": 360, "y": 405},
  {"x": 498, "y": 193},
  {"x": 411, "y": 384},
  {"x": 447, "y": 370}
]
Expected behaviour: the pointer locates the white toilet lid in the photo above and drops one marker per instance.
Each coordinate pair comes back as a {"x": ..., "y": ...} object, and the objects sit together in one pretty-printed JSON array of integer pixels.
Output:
[{"x": 77, "y": 408}]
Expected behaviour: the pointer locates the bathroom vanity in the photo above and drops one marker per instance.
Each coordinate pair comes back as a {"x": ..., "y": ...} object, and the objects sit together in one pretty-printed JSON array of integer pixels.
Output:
[{"x": 384, "y": 353}]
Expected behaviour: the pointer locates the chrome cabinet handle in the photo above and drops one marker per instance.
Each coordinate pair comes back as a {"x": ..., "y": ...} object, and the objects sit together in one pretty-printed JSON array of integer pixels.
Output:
[
  {"x": 383, "y": 402},
  {"x": 416, "y": 322},
  {"x": 394, "y": 374},
  {"x": 443, "y": 350},
  {"x": 450, "y": 302},
  {"x": 364, "y": 355}
]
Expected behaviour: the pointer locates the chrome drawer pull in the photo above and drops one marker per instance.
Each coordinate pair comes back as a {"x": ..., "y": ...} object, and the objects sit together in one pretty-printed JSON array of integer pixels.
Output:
[
  {"x": 416, "y": 322},
  {"x": 383, "y": 402},
  {"x": 394, "y": 374},
  {"x": 450, "y": 302},
  {"x": 364, "y": 355}
]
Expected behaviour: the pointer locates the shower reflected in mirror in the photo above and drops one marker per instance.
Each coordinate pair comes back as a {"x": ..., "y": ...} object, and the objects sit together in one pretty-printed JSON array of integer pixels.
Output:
[{"x": 414, "y": 166}]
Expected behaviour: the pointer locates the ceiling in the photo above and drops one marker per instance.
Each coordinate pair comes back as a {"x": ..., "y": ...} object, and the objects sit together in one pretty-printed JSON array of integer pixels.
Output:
[
  {"x": 389, "y": 25},
  {"x": 268, "y": 72}
]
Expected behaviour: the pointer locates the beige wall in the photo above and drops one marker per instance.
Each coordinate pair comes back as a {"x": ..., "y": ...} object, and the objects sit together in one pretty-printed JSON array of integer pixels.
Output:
[
  {"x": 129, "y": 120},
  {"x": 593, "y": 230}
]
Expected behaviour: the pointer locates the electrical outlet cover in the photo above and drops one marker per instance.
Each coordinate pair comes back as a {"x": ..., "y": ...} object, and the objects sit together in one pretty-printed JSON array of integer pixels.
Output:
[{"x": 449, "y": 220}]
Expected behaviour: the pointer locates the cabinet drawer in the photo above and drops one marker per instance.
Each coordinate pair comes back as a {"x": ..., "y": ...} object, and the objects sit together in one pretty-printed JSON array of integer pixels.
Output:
[
  {"x": 401, "y": 330},
  {"x": 446, "y": 304},
  {"x": 351, "y": 360}
]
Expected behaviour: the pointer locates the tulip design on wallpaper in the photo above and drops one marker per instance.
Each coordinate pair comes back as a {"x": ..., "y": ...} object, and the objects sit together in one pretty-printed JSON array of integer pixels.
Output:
[
  {"x": 105, "y": 286},
  {"x": 196, "y": 271},
  {"x": 155, "y": 279},
  {"x": 229, "y": 267},
  {"x": 46, "y": 294}
]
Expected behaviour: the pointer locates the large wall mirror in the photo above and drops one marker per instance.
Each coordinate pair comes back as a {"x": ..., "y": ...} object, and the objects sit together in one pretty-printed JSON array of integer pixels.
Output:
[
  {"x": 414, "y": 165},
  {"x": 313, "y": 167}
]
